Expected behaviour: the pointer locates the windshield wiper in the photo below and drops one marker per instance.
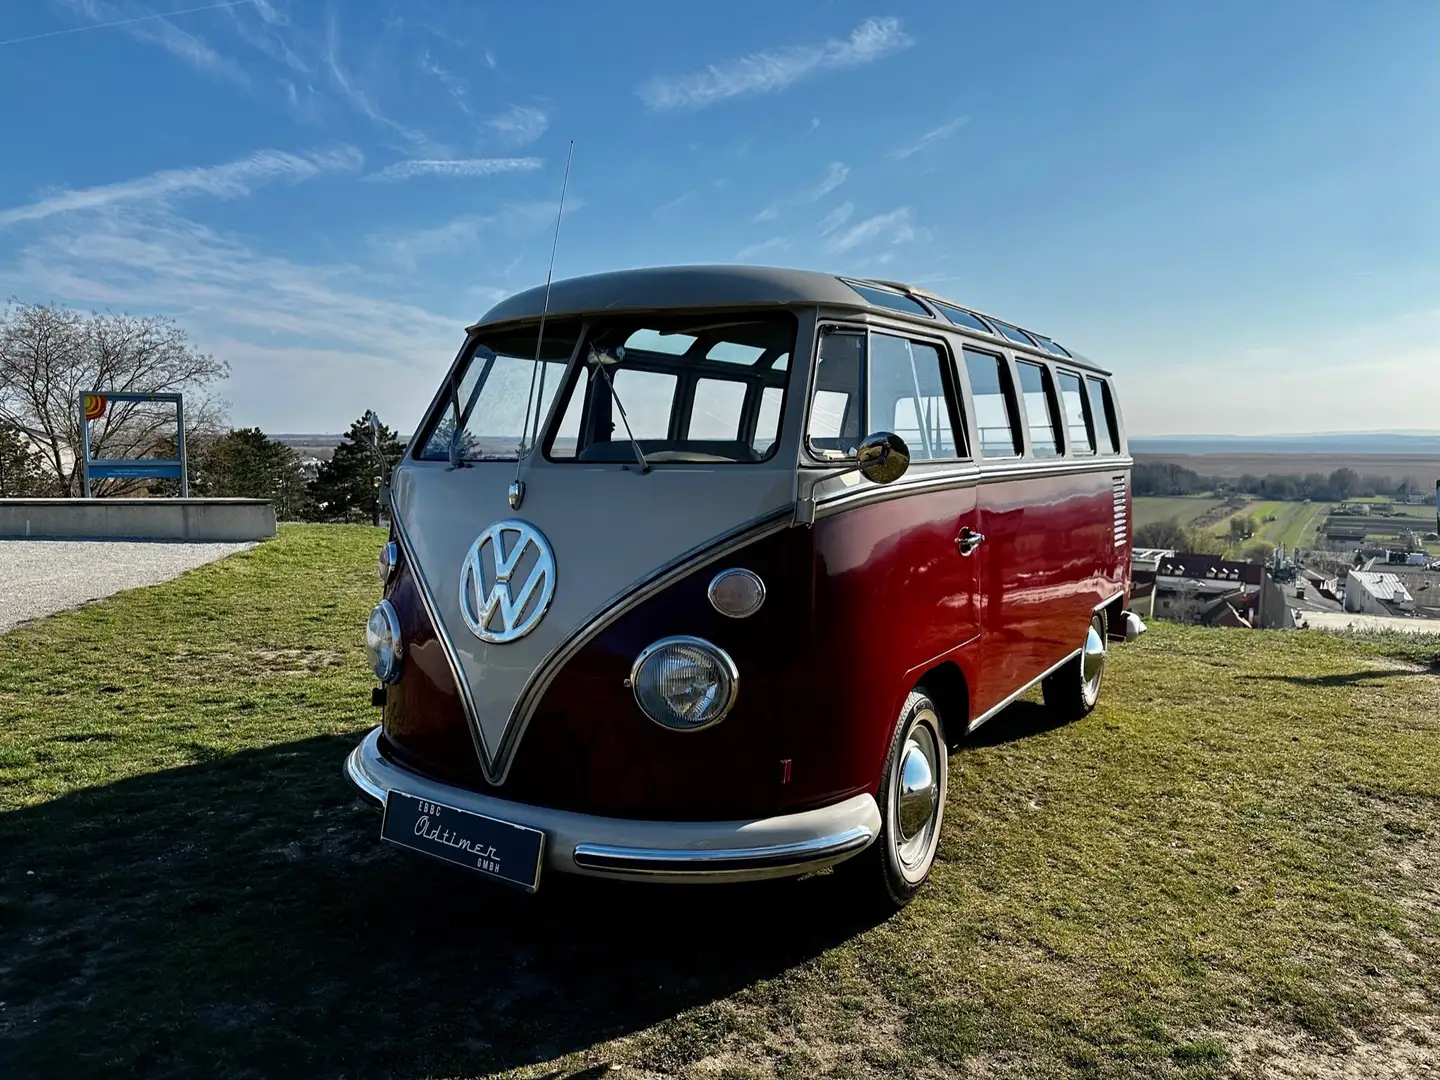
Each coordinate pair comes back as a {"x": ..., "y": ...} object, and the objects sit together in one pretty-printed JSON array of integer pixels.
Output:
[{"x": 614, "y": 356}]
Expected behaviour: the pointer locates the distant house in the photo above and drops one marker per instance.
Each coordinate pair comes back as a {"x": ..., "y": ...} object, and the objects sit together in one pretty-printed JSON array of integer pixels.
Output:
[
  {"x": 1213, "y": 591},
  {"x": 1377, "y": 593}
]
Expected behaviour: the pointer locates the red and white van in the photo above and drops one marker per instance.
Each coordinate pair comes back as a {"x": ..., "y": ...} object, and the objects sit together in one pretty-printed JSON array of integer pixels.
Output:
[{"x": 698, "y": 573}]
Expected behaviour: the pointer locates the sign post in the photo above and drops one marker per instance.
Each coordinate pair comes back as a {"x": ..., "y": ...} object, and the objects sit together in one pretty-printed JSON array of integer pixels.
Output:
[{"x": 93, "y": 406}]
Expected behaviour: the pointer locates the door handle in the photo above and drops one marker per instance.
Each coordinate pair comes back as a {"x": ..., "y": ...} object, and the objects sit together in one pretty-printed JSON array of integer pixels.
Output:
[{"x": 969, "y": 540}]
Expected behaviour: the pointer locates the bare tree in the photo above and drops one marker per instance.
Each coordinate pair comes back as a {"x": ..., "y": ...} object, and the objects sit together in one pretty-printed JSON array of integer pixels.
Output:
[{"x": 50, "y": 355}]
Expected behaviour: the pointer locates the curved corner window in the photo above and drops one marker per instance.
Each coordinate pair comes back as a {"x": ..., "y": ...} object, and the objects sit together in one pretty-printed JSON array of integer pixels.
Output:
[
  {"x": 885, "y": 298},
  {"x": 1102, "y": 408},
  {"x": 495, "y": 388},
  {"x": 1049, "y": 346},
  {"x": 967, "y": 319},
  {"x": 1014, "y": 333}
]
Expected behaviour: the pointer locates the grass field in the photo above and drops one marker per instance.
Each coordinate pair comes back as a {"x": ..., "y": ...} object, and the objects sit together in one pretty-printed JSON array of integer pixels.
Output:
[
  {"x": 1229, "y": 869},
  {"x": 1184, "y": 508},
  {"x": 1393, "y": 467}
]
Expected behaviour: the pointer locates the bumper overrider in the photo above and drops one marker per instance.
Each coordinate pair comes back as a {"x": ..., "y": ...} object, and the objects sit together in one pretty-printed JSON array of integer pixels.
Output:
[{"x": 662, "y": 851}]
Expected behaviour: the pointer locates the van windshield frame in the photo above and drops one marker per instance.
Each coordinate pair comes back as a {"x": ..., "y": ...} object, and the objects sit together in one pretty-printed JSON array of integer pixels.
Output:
[{"x": 704, "y": 388}]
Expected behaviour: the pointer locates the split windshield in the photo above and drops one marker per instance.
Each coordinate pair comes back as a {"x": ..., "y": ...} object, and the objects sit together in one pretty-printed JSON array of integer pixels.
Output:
[{"x": 699, "y": 389}]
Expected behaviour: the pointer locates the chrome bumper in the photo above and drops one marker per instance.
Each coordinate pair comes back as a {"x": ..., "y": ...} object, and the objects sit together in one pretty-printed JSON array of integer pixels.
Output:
[{"x": 670, "y": 851}]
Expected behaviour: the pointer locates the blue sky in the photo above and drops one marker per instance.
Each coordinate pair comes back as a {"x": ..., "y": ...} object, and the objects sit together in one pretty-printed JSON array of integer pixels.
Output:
[{"x": 1234, "y": 205}]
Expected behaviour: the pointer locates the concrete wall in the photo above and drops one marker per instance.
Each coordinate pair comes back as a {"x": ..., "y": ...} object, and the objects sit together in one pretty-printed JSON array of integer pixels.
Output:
[{"x": 137, "y": 519}]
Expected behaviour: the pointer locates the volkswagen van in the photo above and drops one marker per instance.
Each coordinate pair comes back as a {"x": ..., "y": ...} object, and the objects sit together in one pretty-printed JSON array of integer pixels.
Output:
[{"x": 700, "y": 574}]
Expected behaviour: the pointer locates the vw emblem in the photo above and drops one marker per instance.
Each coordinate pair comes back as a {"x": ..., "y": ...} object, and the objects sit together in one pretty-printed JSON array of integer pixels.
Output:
[{"x": 509, "y": 607}]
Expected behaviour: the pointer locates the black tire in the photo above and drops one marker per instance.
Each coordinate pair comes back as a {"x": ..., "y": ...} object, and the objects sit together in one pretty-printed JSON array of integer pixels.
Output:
[
  {"x": 888, "y": 874},
  {"x": 1069, "y": 694}
]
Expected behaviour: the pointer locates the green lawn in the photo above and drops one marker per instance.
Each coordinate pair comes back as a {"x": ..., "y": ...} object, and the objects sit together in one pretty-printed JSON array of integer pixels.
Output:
[
  {"x": 1184, "y": 508},
  {"x": 1228, "y": 870}
]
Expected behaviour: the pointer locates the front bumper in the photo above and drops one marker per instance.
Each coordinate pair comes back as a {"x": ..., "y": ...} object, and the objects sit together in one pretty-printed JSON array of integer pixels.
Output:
[{"x": 669, "y": 851}]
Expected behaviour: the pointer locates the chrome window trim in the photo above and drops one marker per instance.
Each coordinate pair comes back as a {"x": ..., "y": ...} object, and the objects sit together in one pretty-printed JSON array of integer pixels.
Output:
[
  {"x": 612, "y": 610},
  {"x": 943, "y": 480}
]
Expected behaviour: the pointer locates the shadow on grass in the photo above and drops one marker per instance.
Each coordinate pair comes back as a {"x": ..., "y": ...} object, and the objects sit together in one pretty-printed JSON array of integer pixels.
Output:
[
  {"x": 1345, "y": 678},
  {"x": 241, "y": 917},
  {"x": 1019, "y": 721}
]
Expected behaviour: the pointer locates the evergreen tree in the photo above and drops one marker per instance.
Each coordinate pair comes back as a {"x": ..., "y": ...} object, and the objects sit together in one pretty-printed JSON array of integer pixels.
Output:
[
  {"x": 348, "y": 485},
  {"x": 247, "y": 464},
  {"x": 22, "y": 471}
]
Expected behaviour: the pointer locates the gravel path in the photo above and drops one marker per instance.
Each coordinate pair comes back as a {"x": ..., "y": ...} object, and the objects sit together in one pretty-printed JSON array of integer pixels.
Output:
[{"x": 40, "y": 577}]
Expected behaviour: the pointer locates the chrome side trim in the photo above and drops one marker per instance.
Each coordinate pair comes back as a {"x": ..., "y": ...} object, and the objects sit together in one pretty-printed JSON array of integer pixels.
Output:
[
  {"x": 462, "y": 684},
  {"x": 991, "y": 712},
  {"x": 970, "y": 474},
  {"x": 656, "y": 861},
  {"x": 670, "y": 852},
  {"x": 615, "y": 608},
  {"x": 1118, "y": 594}
]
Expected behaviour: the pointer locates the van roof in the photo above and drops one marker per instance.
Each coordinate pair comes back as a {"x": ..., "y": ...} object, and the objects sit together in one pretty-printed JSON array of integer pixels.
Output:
[{"x": 689, "y": 287}]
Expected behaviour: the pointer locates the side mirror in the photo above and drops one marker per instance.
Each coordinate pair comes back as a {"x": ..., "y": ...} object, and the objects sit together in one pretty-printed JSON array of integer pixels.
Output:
[
  {"x": 882, "y": 457},
  {"x": 375, "y": 426}
]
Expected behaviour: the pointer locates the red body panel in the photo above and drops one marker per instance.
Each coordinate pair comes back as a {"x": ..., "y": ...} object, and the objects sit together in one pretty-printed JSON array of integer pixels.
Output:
[
  {"x": 858, "y": 607},
  {"x": 1048, "y": 559}
]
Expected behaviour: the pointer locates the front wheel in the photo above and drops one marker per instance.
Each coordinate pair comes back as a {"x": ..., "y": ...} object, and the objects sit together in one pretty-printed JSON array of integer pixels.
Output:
[
  {"x": 1072, "y": 691},
  {"x": 912, "y": 805}
]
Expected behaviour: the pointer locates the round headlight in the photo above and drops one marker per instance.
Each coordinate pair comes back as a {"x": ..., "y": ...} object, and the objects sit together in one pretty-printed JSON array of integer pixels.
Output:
[
  {"x": 382, "y": 642},
  {"x": 389, "y": 557},
  {"x": 684, "y": 683}
]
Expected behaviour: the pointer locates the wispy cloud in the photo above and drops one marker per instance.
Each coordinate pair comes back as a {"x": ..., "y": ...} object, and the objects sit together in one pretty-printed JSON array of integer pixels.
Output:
[
  {"x": 765, "y": 247},
  {"x": 353, "y": 92},
  {"x": 465, "y": 167},
  {"x": 519, "y": 125},
  {"x": 773, "y": 70},
  {"x": 897, "y": 227},
  {"x": 834, "y": 176},
  {"x": 836, "y": 218},
  {"x": 230, "y": 180},
  {"x": 408, "y": 248},
  {"x": 157, "y": 29},
  {"x": 457, "y": 87},
  {"x": 944, "y": 131},
  {"x": 326, "y": 332}
]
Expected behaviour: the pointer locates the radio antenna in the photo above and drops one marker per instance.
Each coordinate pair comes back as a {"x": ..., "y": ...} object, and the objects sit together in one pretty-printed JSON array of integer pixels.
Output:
[{"x": 517, "y": 488}]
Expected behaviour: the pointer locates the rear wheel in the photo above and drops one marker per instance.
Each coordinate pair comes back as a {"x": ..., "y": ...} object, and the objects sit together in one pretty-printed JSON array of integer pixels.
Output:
[
  {"x": 912, "y": 805},
  {"x": 1072, "y": 691}
]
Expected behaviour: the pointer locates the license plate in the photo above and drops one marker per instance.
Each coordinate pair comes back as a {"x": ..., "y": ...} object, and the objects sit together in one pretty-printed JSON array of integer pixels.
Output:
[{"x": 499, "y": 849}]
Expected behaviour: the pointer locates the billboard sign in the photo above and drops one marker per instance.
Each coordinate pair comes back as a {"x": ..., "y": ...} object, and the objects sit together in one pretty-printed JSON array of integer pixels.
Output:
[{"x": 94, "y": 405}]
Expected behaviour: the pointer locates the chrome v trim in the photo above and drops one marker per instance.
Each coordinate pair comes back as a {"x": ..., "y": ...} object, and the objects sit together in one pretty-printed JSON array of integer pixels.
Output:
[
  {"x": 462, "y": 684},
  {"x": 993, "y": 710},
  {"x": 608, "y": 613}
]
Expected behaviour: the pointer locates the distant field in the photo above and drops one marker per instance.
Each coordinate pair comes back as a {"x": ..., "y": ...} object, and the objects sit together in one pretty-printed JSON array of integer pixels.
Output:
[
  {"x": 1150, "y": 510},
  {"x": 1424, "y": 468}
]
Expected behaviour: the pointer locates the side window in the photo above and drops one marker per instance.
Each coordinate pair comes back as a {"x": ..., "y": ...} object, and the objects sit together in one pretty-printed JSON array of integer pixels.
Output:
[
  {"x": 1102, "y": 408},
  {"x": 907, "y": 392},
  {"x": 1042, "y": 416},
  {"x": 835, "y": 408},
  {"x": 994, "y": 398},
  {"x": 567, "y": 436},
  {"x": 716, "y": 410},
  {"x": 647, "y": 397},
  {"x": 1080, "y": 435},
  {"x": 767, "y": 424}
]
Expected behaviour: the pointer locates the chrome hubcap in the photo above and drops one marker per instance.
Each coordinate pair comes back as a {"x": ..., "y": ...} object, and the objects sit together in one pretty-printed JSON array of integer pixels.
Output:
[
  {"x": 917, "y": 795},
  {"x": 1092, "y": 663}
]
